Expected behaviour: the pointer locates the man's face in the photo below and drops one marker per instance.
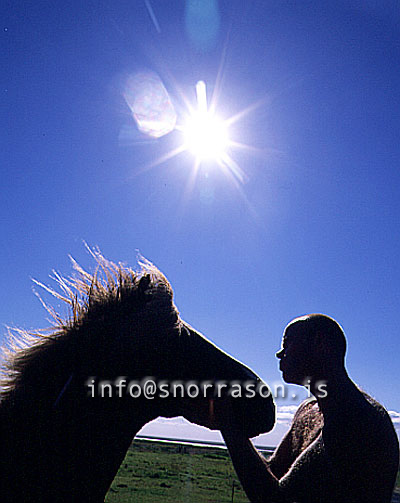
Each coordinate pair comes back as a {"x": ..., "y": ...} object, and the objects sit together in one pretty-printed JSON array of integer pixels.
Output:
[{"x": 295, "y": 356}]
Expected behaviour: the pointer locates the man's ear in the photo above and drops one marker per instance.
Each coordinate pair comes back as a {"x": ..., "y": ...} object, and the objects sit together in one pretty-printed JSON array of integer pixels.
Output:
[
  {"x": 321, "y": 346},
  {"x": 325, "y": 350}
]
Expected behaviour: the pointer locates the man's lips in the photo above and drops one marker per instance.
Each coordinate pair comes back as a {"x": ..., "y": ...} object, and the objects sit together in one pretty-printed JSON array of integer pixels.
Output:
[{"x": 282, "y": 367}]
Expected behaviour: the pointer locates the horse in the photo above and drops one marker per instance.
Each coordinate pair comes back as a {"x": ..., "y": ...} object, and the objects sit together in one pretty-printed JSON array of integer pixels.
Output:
[{"x": 60, "y": 440}]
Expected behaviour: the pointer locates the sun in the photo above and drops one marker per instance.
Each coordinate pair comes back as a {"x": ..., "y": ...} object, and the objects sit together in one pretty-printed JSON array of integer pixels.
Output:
[{"x": 205, "y": 134}]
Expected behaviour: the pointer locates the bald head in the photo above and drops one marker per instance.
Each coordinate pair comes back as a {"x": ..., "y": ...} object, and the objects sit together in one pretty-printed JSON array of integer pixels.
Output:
[
  {"x": 311, "y": 345},
  {"x": 322, "y": 329}
]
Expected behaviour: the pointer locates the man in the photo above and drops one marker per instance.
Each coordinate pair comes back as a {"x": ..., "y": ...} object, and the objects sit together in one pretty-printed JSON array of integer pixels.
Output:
[{"x": 341, "y": 447}]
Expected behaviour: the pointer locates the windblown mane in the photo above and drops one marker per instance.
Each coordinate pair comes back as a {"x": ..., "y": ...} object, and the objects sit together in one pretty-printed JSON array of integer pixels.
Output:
[{"x": 144, "y": 296}]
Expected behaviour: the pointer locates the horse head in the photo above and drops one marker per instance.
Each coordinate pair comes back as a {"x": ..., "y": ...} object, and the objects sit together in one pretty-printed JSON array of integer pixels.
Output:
[
  {"x": 194, "y": 377},
  {"x": 154, "y": 349},
  {"x": 124, "y": 329}
]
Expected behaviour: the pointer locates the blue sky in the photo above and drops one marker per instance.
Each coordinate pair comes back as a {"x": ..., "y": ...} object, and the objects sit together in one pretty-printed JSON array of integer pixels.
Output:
[{"x": 315, "y": 226}]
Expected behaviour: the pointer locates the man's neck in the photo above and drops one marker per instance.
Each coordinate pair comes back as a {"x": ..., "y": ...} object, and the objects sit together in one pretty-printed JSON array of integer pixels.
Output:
[{"x": 338, "y": 390}]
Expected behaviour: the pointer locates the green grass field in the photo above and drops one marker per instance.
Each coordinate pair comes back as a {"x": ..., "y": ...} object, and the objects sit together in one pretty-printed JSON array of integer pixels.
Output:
[
  {"x": 170, "y": 473},
  {"x": 157, "y": 471}
]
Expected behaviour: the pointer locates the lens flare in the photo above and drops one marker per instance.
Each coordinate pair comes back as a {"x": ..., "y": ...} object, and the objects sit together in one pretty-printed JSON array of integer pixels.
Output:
[{"x": 150, "y": 104}]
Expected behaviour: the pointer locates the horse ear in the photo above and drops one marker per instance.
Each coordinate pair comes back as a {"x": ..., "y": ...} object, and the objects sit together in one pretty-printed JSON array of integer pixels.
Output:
[{"x": 144, "y": 285}]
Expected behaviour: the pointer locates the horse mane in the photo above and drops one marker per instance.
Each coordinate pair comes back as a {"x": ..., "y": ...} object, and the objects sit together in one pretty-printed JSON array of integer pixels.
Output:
[{"x": 144, "y": 296}]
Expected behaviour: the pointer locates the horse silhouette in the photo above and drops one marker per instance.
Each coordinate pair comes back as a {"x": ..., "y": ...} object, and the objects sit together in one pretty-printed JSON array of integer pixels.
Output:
[{"x": 59, "y": 442}]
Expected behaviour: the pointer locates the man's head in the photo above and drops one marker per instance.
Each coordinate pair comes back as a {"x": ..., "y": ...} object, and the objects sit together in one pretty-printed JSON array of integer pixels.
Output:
[{"x": 312, "y": 346}]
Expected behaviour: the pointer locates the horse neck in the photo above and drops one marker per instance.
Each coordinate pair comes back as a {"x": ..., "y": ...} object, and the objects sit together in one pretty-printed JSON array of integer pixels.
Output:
[
  {"x": 55, "y": 432},
  {"x": 78, "y": 449},
  {"x": 61, "y": 435}
]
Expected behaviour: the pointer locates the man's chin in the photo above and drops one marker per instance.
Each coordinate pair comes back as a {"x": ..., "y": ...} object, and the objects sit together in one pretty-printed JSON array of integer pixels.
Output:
[{"x": 290, "y": 379}]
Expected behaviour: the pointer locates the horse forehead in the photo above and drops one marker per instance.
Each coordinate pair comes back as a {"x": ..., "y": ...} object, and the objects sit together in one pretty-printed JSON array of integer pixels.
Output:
[
  {"x": 248, "y": 374},
  {"x": 224, "y": 360}
]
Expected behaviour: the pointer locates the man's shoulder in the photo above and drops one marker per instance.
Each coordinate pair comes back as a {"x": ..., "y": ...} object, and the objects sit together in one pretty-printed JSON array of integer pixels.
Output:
[
  {"x": 380, "y": 423},
  {"x": 307, "y": 424},
  {"x": 377, "y": 406},
  {"x": 307, "y": 407}
]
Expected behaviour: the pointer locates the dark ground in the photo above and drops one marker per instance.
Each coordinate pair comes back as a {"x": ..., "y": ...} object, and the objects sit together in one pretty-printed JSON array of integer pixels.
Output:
[{"x": 173, "y": 472}]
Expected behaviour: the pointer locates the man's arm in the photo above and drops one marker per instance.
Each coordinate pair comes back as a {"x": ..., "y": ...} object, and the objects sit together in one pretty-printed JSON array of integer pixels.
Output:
[
  {"x": 258, "y": 482},
  {"x": 282, "y": 458},
  {"x": 263, "y": 480},
  {"x": 307, "y": 421}
]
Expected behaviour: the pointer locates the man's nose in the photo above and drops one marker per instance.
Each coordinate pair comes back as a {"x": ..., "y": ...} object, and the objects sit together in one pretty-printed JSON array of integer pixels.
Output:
[{"x": 280, "y": 354}]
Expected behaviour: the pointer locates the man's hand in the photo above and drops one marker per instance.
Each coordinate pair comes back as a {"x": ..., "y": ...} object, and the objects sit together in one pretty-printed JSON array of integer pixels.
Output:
[
  {"x": 224, "y": 416},
  {"x": 252, "y": 469}
]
